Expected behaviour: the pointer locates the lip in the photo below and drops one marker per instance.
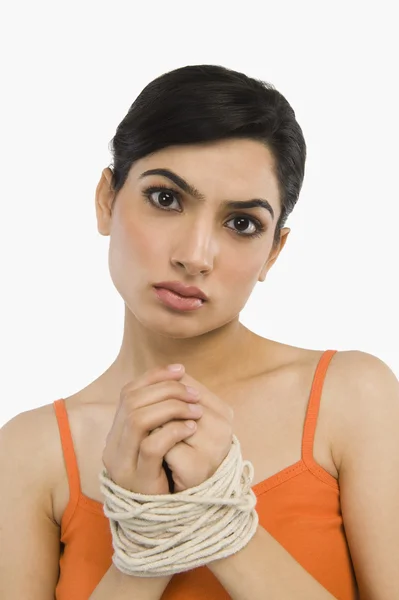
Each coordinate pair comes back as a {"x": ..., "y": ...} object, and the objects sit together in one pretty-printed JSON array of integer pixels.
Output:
[
  {"x": 183, "y": 290},
  {"x": 176, "y": 302}
]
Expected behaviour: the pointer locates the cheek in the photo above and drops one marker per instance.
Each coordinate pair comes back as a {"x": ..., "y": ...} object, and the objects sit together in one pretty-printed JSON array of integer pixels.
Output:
[
  {"x": 132, "y": 253},
  {"x": 132, "y": 243},
  {"x": 241, "y": 270}
]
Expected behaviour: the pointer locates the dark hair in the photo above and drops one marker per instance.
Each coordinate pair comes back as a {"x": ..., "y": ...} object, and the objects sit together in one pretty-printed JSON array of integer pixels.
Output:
[{"x": 204, "y": 103}]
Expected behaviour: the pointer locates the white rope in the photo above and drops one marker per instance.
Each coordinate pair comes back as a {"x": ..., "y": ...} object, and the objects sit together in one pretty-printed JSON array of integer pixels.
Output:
[{"x": 171, "y": 533}]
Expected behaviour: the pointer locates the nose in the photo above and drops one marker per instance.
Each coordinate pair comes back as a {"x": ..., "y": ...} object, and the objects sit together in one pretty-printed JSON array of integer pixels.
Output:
[{"x": 194, "y": 250}]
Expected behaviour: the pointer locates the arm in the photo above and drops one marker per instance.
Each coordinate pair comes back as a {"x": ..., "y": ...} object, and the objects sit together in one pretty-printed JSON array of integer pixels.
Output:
[
  {"x": 366, "y": 450},
  {"x": 369, "y": 476},
  {"x": 29, "y": 537},
  {"x": 264, "y": 569},
  {"x": 118, "y": 586}
]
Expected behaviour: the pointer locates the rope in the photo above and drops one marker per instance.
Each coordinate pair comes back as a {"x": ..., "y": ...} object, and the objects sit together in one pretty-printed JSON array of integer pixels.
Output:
[{"x": 157, "y": 535}]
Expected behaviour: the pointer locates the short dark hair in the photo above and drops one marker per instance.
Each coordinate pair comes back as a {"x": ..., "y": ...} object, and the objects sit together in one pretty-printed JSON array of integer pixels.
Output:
[{"x": 204, "y": 103}]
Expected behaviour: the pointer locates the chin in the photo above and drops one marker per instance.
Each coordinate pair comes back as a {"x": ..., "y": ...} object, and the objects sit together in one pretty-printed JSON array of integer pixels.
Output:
[
  {"x": 182, "y": 325},
  {"x": 176, "y": 327},
  {"x": 170, "y": 324}
]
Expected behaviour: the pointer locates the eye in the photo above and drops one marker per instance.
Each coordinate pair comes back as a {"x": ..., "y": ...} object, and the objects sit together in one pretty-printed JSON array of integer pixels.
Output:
[
  {"x": 242, "y": 223},
  {"x": 161, "y": 197}
]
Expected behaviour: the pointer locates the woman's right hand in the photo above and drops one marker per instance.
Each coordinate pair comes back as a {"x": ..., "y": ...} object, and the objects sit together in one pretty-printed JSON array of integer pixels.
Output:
[{"x": 150, "y": 419}]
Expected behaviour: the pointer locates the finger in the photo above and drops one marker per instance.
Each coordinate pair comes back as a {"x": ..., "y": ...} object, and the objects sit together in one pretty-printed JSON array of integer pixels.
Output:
[
  {"x": 156, "y": 392},
  {"x": 154, "y": 375},
  {"x": 148, "y": 418},
  {"x": 208, "y": 398},
  {"x": 155, "y": 446},
  {"x": 152, "y": 394},
  {"x": 131, "y": 428}
]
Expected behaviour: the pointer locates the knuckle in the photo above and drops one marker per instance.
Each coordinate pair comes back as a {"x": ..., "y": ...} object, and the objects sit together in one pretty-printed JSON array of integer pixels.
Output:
[
  {"x": 178, "y": 429},
  {"x": 180, "y": 409},
  {"x": 128, "y": 388},
  {"x": 137, "y": 421},
  {"x": 132, "y": 396},
  {"x": 173, "y": 387},
  {"x": 175, "y": 429},
  {"x": 150, "y": 447},
  {"x": 127, "y": 396}
]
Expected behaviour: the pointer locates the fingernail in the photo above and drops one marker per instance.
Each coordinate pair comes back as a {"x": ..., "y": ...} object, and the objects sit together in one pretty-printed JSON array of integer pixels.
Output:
[
  {"x": 175, "y": 367},
  {"x": 191, "y": 424}
]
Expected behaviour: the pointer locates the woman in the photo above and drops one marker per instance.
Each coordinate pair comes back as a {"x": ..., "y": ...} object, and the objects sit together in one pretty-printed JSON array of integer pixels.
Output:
[{"x": 208, "y": 164}]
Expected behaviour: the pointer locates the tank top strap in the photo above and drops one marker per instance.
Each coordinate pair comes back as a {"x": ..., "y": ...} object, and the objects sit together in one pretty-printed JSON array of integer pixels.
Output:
[
  {"x": 71, "y": 463},
  {"x": 314, "y": 406}
]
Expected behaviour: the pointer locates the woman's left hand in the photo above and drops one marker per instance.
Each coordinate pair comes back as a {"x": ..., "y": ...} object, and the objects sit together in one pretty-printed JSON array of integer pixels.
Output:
[{"x": 196, "y": 459}]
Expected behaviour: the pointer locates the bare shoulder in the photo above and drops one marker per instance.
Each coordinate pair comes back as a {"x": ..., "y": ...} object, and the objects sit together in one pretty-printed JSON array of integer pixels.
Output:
[
  {"x": 360, "y": 395},
  {"x": 31, "y": 425},
  {"x": 361, "y": 390},
  {"x": 30, "y": 536},
  {"x": 29, "y": 442}
]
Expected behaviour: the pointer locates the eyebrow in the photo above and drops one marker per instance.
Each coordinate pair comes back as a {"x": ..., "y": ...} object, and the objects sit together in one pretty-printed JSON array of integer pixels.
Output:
[{"x": 192, "y": 191}]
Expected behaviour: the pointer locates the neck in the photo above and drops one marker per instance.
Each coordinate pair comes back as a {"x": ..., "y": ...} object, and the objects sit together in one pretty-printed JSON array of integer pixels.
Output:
[{"x": 211, "y": 358}]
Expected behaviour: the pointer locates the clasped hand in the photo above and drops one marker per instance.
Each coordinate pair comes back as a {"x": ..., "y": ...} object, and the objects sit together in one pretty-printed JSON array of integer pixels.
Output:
[{"x": 150, "y": 427}]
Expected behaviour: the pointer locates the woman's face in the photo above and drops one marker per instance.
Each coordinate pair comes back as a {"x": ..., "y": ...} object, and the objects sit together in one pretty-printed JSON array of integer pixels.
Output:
[{"x": 160, "y": 235}]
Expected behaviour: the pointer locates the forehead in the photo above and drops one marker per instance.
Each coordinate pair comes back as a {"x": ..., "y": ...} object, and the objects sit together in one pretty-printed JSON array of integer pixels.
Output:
[{"x": 233, "y": 169}]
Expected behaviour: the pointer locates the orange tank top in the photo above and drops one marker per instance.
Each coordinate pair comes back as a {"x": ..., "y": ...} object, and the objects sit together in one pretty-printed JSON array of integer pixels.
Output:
[{"x": 299, "y": 507}]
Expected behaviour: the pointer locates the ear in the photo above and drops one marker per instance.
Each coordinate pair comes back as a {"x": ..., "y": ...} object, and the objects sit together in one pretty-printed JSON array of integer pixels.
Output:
[
  {"x": 104, "y": 199},
  {"x": 274, "y": 254}
]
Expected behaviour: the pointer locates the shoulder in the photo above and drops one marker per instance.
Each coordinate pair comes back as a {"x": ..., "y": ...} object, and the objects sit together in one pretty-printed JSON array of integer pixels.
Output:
[
  {"x": 360, "y": 367},
  {"x": 42, "y": 417},
  {"x": 30, "y": 448},
  {"x": 31, "y": 427},
  {"x": 364, "y": 411},
  {"x": 363, "y": 401}
]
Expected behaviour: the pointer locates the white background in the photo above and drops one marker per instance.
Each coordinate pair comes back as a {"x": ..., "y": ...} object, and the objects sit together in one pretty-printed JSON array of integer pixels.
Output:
[{"x": 70, "y": 72}]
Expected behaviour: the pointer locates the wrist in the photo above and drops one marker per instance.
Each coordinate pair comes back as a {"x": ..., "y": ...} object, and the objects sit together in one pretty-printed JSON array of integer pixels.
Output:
[{"x": 153, "y": 585}]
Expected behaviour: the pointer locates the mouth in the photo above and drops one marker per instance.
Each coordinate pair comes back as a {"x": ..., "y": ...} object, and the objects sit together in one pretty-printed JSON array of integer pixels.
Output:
[
  {"x": 182, "y": 290},
  {"x": 176, "y": 301}
]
